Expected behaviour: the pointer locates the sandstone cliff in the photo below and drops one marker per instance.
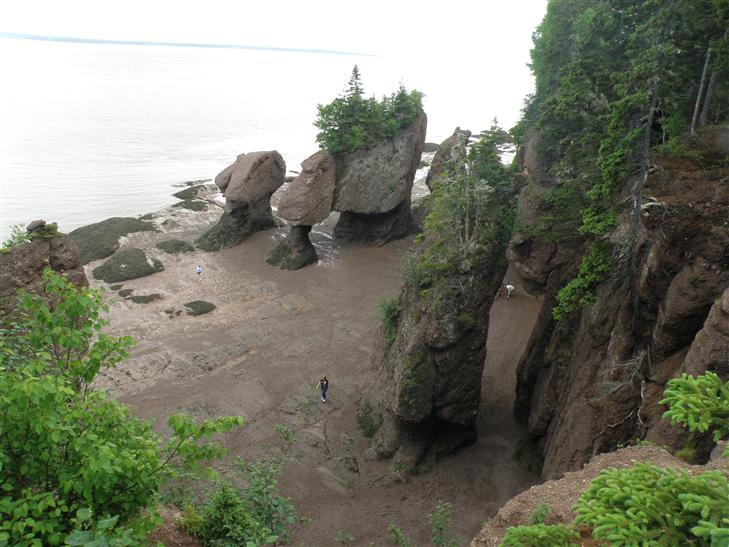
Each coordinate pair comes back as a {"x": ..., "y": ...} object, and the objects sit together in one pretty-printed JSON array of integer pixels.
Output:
[
  {"x": 594, "y": 379},
  {"x": 22, "y": 267}
]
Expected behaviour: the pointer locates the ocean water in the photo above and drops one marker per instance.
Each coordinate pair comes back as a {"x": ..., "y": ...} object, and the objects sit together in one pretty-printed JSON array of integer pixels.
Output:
[{"x": 89, "y": 131}]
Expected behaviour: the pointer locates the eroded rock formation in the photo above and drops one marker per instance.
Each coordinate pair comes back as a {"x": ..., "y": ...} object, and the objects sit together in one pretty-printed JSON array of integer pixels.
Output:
[
  {"x": 247, "y": 185},
  {"x": 373, "y": 187},
  {"x": 450, "y": 150},
  {"x": 22, "y": 267},
  {"x": 594, "y": 380},
  {"x": 306, "y": 201}
]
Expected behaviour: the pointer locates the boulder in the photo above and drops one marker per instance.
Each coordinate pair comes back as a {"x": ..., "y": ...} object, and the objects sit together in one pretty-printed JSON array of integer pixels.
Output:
[
  {"x": 127, "y": 264},
  {"x": 376, "y": 181},
  {"x": 34, "y": 225},
  {"x": 22, "y": 267},
  {"x": 295, "y": 251},
  {"x": 101, "y": 239},
  {"x": 247, "y": 185},
  {"x": 453, "y": 149},
  {"x": 308, "y": 199}
]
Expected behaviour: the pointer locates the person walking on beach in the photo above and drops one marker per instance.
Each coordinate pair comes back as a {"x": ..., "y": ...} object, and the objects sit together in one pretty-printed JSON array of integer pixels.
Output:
[
  {"x": 198, "y": 269},
  {"x": 509, "y": 290},
  {"x": 323, "y": 385}
]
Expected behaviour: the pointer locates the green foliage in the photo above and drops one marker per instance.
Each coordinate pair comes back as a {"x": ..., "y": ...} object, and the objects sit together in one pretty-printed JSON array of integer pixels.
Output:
[
  {"x": 701, "y": 403},
  {"x": 603, "y": 71},
  {"x": 397, "y": 536},
  {"x": 650, "y": 505},
  {"x": 344, "y": 538},
  {"x": 540, "y": 535},
  {"x": 389, "y": 310},
  {"x": 254, "y": 514},
  {"x": 47, "y": 231},
  {"x": 540, "y": 514},
  {"x": 471, "y": 213},
  {"x": 66, "y": 450},
  {"x": 440, "y": 523},
  {"x": 351, "y": 122},
  {"x": 17, "y": 236},
  {"x": 578, "y": 292},
  {"x": 102, "y": 532},
  {"x": 675, "y": 148}
]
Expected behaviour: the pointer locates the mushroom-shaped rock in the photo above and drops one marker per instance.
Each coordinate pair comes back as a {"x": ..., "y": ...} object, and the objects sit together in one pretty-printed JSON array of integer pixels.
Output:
[
  {"x": 453, "y": 149},
  {"x": 295, "y": 251},
  {"x": 308, "y": 199},
  {"x": 373, "y": 187},
  {"x": 247, "y": 185}
]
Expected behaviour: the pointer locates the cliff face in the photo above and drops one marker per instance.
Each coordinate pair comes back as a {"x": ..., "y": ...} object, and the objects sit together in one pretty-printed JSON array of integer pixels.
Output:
[
  {"x": 22, "y": 267},
  {"x": 594, "y": 379}
]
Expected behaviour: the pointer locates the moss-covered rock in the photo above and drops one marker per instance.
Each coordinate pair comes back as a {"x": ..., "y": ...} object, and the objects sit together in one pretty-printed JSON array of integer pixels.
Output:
[
  {"x": 199, "y": 307},
  {"x": 101, "y": 239},
  {"x": 191, "y": 192},
  {"x": 125, "y": 292},
  {"x": 127, "y": 264},
  {"x": 116, "y": 287},
  {"x": 145, "y": 298},
  {"x": 192, "y": 204},
  {"x": 172, "y": 246},
  {"x": 295, "y": 251}
]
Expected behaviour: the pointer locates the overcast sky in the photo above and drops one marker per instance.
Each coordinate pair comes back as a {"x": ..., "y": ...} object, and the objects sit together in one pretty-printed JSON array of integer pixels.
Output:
[{"x": 373, "y": 26}]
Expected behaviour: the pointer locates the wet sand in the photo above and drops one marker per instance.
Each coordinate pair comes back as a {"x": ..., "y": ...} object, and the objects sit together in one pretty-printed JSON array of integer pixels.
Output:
[{"x": 260, "y": 353}]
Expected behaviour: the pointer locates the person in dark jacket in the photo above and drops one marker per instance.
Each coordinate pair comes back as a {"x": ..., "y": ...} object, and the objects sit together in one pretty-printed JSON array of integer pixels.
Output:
[{"x": 323, "y": 386}]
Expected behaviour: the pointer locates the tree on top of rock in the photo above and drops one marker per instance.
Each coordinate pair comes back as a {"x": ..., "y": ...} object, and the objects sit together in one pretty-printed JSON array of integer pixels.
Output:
[{"x": 351, "y": 121}]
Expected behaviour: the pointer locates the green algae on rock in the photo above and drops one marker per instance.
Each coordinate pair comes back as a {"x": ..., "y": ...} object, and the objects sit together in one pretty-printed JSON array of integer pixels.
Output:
[
  {"x": 127, "y": 264},
  {"x": 101, "y": 239}
]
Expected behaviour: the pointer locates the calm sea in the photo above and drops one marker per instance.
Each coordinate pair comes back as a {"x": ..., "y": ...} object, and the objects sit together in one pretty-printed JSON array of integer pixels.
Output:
[{"x": 91, "y": 131}]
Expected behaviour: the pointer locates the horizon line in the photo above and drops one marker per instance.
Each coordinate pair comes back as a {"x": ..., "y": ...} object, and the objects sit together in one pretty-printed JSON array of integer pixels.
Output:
[{"x": 102, "y": 41}]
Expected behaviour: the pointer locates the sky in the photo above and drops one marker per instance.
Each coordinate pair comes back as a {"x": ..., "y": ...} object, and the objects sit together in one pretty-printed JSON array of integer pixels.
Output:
[
  {"x": 375, "y": 26},
  {"x": 478, "y": 48}
]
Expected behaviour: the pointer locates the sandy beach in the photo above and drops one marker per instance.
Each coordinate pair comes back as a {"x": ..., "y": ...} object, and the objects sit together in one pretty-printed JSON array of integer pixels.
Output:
[{"x": 260, "y": 353}]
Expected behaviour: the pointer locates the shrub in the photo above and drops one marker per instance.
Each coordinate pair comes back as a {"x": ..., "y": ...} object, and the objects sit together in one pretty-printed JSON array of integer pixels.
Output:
[
  {"x": 66, "y": 450},
  {"x": 578, "y": 292},
  {"x": 344, "y": 538},
  {"x": 540, "y": 514},
  {"x": 647, "y": 503},
  {"x": 540, "y": 535},
  {"x": 440, "y": 523},
  {"x": 389, "y": 311},
  {"x": 255, "y": 514},
  {"x": 17, "y": 236}
]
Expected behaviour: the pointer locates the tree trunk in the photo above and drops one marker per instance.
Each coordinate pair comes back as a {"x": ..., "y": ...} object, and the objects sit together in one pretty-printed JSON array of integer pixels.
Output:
[
  {"x": 702, "y": 84},
  {"x": 707, "y": 99}
]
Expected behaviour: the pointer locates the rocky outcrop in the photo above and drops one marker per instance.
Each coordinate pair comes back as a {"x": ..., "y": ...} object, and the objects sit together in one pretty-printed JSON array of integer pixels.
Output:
[
  {"x": 305, "y": 202},
  {"x": 373, "y": 187},
  {"x": 308, "y": 198},
  {"x": 453, "y": 149},
  {"x": 425, "y": 400},
  {"x": 127, "y": 264},
  {"x": 594, "y": 380},
  {"x": 247, "y": 185},
  {"x": 21, "y": 268},
  {"x": 710, "y": 348},
  {"x": 295, "y": 251}
]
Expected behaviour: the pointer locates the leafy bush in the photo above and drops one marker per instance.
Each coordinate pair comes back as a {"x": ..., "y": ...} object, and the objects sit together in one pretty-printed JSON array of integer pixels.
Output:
[
  {"x": 540, "y": 535},
  {"x": 440, "y": 523},
  {"x": 351, "y": 122},
  {"x": 578, "y": 292},
  {"x": 17, "y": 236},
  {"x": 255, "y": 514},
  {"x": 647, "y": 504},
  {"x": 66, "y": 450},
  {"x": 397, "y": 536},
  {"x": 389, "y": 310}
]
